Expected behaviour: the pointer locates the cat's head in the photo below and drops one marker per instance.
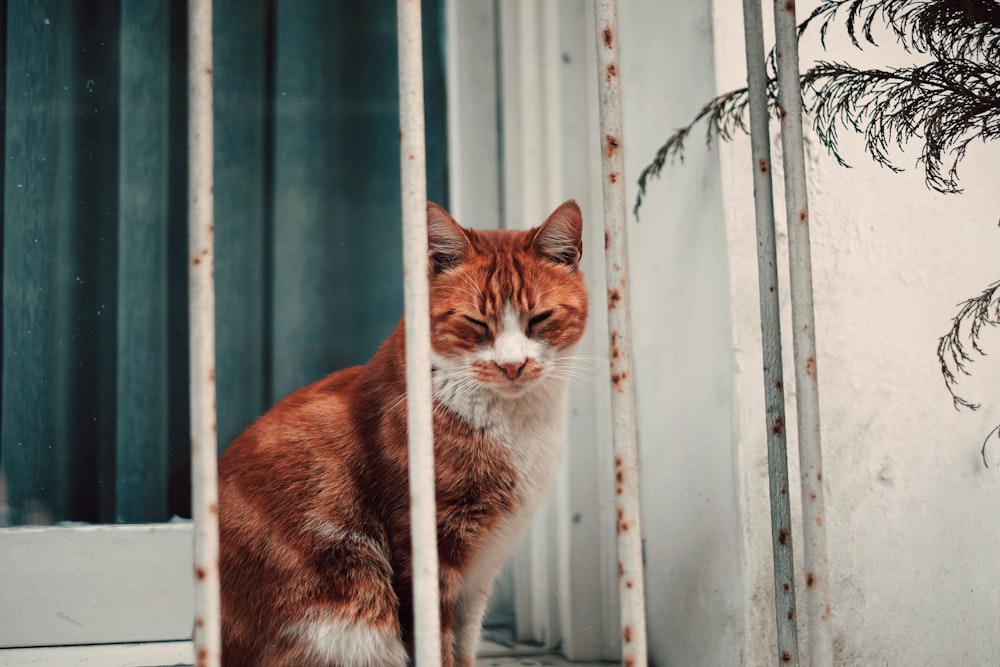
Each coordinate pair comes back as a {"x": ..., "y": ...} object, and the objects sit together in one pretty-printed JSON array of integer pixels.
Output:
[{"x": 507, "y": 307}]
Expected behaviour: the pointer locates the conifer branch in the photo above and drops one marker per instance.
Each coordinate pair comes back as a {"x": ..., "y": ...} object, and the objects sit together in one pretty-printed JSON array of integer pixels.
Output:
[{"x": 944, "y": 104}]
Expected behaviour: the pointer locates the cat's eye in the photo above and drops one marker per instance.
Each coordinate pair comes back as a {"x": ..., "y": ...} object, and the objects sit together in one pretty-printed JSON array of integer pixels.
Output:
[
  {"x": 538, "y": 319},
  {"x": 479, "y": 324}
]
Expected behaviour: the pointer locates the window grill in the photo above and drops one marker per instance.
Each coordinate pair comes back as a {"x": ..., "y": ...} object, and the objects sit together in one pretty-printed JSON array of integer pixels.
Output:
[{"x": 412, "y": 153}]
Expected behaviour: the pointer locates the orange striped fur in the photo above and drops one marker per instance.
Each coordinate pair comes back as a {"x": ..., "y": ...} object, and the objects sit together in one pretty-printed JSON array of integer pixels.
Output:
[{"x": 314, "y": 523}]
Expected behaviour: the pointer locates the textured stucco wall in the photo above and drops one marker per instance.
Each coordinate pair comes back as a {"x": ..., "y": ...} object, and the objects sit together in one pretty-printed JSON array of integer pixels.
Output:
[{"x": 911, "y": 510}]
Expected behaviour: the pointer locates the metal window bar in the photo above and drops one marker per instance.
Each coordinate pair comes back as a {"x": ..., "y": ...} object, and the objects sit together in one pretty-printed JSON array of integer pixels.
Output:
[
  {"x": 201, "y": 285},
  {"x": 770, "y": 325},
  {"x": 623, "y": 420},
  {"x": 423, "y": 522},
  {"x": 803, "y": 334},
  {"x": 206, "y": 636}
]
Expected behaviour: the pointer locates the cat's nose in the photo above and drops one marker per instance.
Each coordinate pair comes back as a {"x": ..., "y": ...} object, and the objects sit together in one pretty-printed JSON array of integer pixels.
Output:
[{"x": 513, "y": 370}]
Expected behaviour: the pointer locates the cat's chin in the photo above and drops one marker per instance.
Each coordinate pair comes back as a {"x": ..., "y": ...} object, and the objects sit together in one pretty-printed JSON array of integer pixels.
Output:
[{"x": 512, "y": 389}]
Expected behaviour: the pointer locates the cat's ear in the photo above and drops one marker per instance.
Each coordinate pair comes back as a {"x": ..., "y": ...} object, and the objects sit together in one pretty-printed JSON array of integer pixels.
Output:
[
  {"x": 447, "y": 243},
  {"x": 560, "y": 238}
]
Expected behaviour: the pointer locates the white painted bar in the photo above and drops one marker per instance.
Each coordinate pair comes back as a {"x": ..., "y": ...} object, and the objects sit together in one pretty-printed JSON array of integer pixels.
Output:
[
  {"x": 204, "y": 487},
  {"x": 770, "y": 327},
  {"x": 423, "y": 522},
  {"x": 623, "y": 419},
  {"x": 803, "y": 336}
]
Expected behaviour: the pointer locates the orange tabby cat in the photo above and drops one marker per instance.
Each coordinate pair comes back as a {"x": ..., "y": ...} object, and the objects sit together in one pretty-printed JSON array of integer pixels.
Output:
[{"x": 314, "y": 504}]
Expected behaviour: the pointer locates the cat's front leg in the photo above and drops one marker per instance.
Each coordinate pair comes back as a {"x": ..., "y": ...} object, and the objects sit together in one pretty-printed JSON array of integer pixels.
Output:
[
  {"x": 451, "y": 582},
  {"x": 469, "y": 623}
]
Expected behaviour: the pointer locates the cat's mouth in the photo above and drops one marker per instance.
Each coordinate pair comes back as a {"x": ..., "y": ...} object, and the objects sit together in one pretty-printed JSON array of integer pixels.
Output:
[
  {"x": 510, "y": 380},
  {"x": 511, "y": 388}
]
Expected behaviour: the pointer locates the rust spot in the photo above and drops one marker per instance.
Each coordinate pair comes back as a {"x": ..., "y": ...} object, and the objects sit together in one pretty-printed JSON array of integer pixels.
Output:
[
  {"x": 411, "y": 157},
  {"x": 607, "y": 241},
  {"x": 621, "y": 513},
  {"x": 790, "y": 6},
  {"x": 618, "y": 490},
  {"x": 612, "y": 145},
  {"x": 615, "y": 352},
  {"x": 629, "y": 661},
  {"x": 617, "y": 379},
  {"x": 629, "y": 584},
  {"x": 783, "y": 536},
  {"x": 620, "y": 477},
  {"x": 200, "y": 572},
  {"x": 771, "y": 288},
  {"x": 778, "y": 384},
  {"x": 810, "y": 579},
  {"x": 791, "y": 614},
  {"x": 762, "y": 165},
  {"x": 208, "y": 70},
  {"x": 819, "y": 476},
  {"x": 786, "y": 656},
  {"x": 786, "y": 587},
  {"x": 811, "y": 367},
  {"x": 819, "y": 521},
  {"x": 211, "y": 374},
  {"x": 784, "y": 491},
  {"x": 812, "y": 496},
  {"x": 627, "y": 634},
  {"x": 621, "y": 569},
  {"x": 610, "y": 72},
  {"x": 213, "y": 508},
  {"x": 202, "y": 657},
  {"x": 778, "y": 427},
  {"x": 826, "y": 611},
  {"x": 618, "y": 461},
  {"x": 613, "y": 298},
  {"x": 196, "y": 261},
  {"x": 781, "y": 109},
  {"x": 803, "y": 217},
  {"x": 199, "y": 622},
  {"x": 613, "y": 177},
  {"x": 608, "y": 37}
]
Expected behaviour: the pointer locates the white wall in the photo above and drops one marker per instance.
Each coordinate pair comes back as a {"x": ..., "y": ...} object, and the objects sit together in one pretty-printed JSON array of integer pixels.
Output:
[
  {"x": 683, "y": 345},
  {"x": 911, "y": 521}
]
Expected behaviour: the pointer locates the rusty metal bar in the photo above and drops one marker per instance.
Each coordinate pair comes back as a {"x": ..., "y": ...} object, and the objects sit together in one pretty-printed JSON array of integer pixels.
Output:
[
  {"x": 201, "y": 285},
  {"x": 624, "y": 434},
  {"x": 803, "y": 335},
  {"x": 423, "y": 523},
  {"x": 770, "y": 328}
]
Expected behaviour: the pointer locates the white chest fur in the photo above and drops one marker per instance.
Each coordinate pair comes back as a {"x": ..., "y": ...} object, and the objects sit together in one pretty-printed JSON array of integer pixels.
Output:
[{"x": 532, "y": 428}]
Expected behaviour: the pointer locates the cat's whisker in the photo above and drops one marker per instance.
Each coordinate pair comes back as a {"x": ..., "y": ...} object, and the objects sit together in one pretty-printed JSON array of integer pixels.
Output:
[
  {"x": 573, "y": 377},
  {"x": 589, "y": 369},
  {"x": 585, "y": 359},
  {"x": 473, "y": 284},
  {"x": 475, "y": 297}
]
